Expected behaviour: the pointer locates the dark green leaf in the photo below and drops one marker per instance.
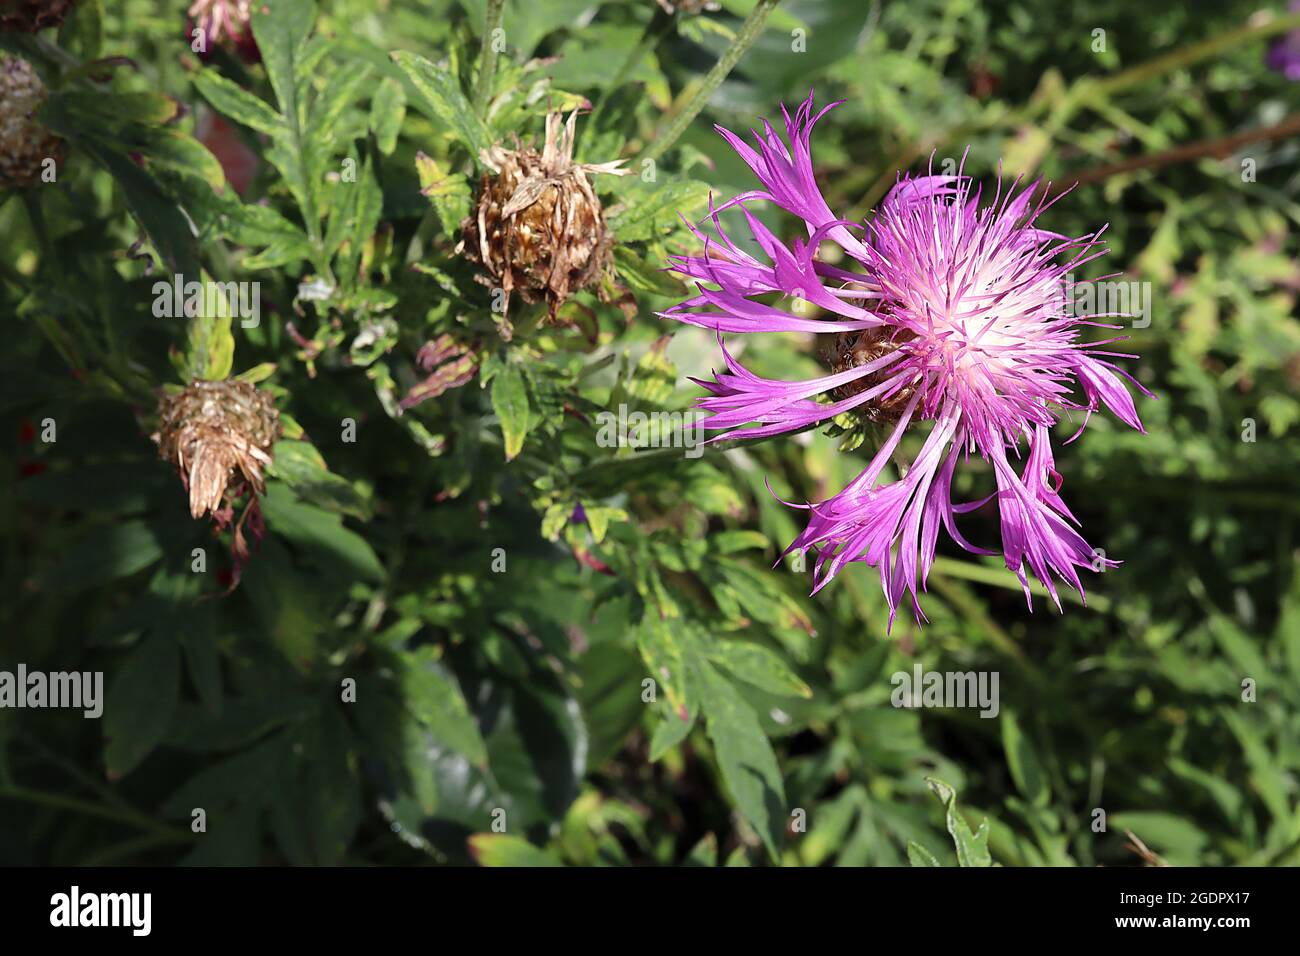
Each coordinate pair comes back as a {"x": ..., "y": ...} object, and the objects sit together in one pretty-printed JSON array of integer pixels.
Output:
[
  {"x": 140, "y": 703},
  {"x": 745, "y": 758},
  {"x": 510, "y": 402},
  {"x": 441, "y": 98}
]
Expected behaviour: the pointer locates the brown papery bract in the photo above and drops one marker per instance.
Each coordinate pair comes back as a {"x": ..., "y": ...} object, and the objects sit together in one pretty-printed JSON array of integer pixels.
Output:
[
  {"x": 539, "y": 228},
  {"x": 217, "y": 433},
  {"x": 25, "y": 144}
]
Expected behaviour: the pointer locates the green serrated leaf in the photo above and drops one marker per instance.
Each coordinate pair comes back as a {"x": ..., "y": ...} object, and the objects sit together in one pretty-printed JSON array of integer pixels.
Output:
[
  {"x": 366, "y": 213},
  {"x": 104, "y": 554},
  {"x": 918, "y": 855},
  {"x": 663, "y": 648},
  {"x": 441, "y": 98},
  {"x": 158, "y": 213},
  {"x": 642, "y": 276},
  {"x": 140, "y": 703},
  {"x": 322, "y": 532},
  {"x": 281, "y": 30},
  {"x": 972, "y": 848},
  {"x": 654, "y": 211},
  {"x": 83, "y": 32},
  {"x": 745, "y": 758},
  {"x": 387, "y": 110},
  {"x": 448, "y": 192},
  {"x": 234, "y": 102},
  {"x": 435, "y": 700},
  {"x": 757, "y": 665},
  {"x": 501, "y": 849},
  {"x": 338, "y": 94},
  {"x": 670, "y": 732},
  {"x": 203, "y": 663},
  {"x": 299, "y": 465},
  {"x": 510, "y": 402},
  {"x": 1026, "y": 770}
]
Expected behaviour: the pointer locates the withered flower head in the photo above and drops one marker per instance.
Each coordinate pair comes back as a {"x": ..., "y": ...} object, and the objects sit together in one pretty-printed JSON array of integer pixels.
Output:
[
  {"x": 219, "y": 435},
  {"x": 24, "y": 143},
  {"x": 539, "y": 227},
  {"x": 28, "y": 16}
]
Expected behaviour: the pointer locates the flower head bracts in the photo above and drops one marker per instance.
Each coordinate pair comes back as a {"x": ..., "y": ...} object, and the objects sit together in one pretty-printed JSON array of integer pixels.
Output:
[
  {"x": 538, "y": 226},
  {"x": 25, "y": 145},
  {"x": 954, "y": 311}
]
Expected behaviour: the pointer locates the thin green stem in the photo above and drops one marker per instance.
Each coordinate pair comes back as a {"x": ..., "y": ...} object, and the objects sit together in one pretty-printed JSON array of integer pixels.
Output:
[
  {"x": 56, "y": 54},
  {"x": 969, "y": 606},
  {"x": 642, "y": 458},
  {"x": 658, "y": 28},
  {"x": 1218, "y": 148},
  {"x": 37, "y": 220},
  {"x": 1193, "y": 53},
  {"x": 487, "y": 67},
  {"x": 1084, "y": 92},
  {"x": 531, "y": 319},
  {"x": 73, "y": 771},
  {"x": 749, "y": 32},
  {"x": 58, "y": 801},
  {"x": 131, "y": 849},
  {"x": 983, "y": 574}
]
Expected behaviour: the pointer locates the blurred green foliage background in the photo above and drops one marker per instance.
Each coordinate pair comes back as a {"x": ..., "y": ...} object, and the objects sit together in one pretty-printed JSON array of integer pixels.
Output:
[{"x": 499, "y": 714}]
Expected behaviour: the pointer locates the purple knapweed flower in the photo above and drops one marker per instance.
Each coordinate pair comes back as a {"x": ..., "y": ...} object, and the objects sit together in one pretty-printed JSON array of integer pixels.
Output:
[
  {"x": 1284, "y": 53},
  {"x": 951, "y": 314}
]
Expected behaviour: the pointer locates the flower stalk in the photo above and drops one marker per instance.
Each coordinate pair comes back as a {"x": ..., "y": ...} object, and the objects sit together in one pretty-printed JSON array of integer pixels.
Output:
[
  {"x": 658, "y": 27},
  {"x": 487, "y": 68},
  {"x": 749, "y": 32}
]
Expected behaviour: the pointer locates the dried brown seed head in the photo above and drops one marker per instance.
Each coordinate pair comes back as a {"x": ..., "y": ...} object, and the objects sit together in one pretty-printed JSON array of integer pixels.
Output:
[
  {"x": 25, "y": 145},
  {"x": 28, "y": 16},
  {"x": 538, "y": 227},
  {"x": 219, "y": 435}
]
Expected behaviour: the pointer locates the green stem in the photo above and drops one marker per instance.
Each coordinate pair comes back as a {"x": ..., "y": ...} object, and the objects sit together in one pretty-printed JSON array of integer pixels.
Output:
[
  {"x": 1083, "y": 92},
  {"x": 1193, "y": 53},
  {"x": 487, "y": 67},
  {"x": 130, "y": 850},
  {"x": 528, "y": 323},
  {"x": 37, "y": 220},
  {"x": 997, "y": 577},
  {"x": 73, "y": 771},
  {"x": 1219, "y": 148},
  {"x": 60, "y": 802},
  {"x": 56, "y": 54},
  {"x": 969, "y": 606},
  {"x": 749, "y": 32},
  {"x": 658, "y": 27},
  {"x": 640, "y": 459}
]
